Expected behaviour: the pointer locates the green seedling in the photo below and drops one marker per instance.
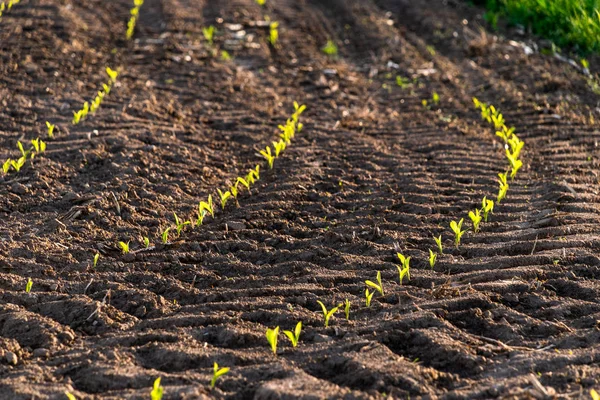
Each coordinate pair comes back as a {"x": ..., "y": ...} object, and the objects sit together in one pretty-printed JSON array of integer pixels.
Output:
[
  {"x": 272, "y": 336},
  {"x": 112, "y": 74},
  {"x": 404, "y": 83},
  {"x": 515, "y": 164},
  {"x": 505, "y": 133},
  {"x": 475, "y": 219},
  {"x": 234, "y": 191},
  {"x": 330, "y": 48},
  {"x": 165, "y": 235},
  {"x": 21, "y": 149},
  {"x": 207, "y": 206},
  {"x": 38, "y": 145},
  {"x": 368, "y": 297},
  {"x": 432, "y": 258},
  {"x": 77, "y": 116},
  {"x": 18, "y": 164},
  {"x": 28, "y": 286},
  {"x": 347, "y": 309},
  {"x": 327, "y": 314},
  {"x": 244, "y": 182},
  {"x": 50, "y": 129},
  {"x": 487, "y": 206},
  {"x": 209, "y": 34},
  {"x": 6, "y": 166},
  {"x": 124, "y": 247},
  {"x": 157, "y": 390},
  {"x": 217, "y": 373},
  {"x": 594, "y": 394},
  {"x": 377, "y": 286},
  {"x": 224, "y": 197},
  {"x": 279, "y": 147},
  {"x": 457, "y": 229},
  {"x": 295, "y": 335},
  {"x": 261, "y": 2},
  {"x": 266, "y": 153},
  {"x": 96, "y": 258},
  {"x": 134, "y": 15},
  {"x": 435, "y": 98},
  {"x": 70, "y": 396},
  {"x": 516, "y": 145},
  {"x": 438, "y": 241},
  {"x": 404, "y": 268},
  {"x": 502, "y": 181},
  {"x": 179, "y": 225},
  {"x": 273, "y": 33},
  {"x": 146, "y": 241},
  {"x": 201, "y": 215}
]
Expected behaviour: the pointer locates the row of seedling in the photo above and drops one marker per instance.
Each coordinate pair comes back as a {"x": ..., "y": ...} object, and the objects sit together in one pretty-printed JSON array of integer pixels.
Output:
[
  {"x": 134, "y": 15},
  {"x": 7, "y": 5},
  {"x": 94, "y": 105},
  {"x": 208, "y": 207},
  {"x": 512, "y": 147},
  {"x": 38, "y": 146},
  {"x": 376, "y": 286}
]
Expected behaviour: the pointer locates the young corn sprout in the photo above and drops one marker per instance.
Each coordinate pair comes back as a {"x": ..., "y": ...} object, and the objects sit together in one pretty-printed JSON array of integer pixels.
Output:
[
  {"x": 224, "y": 197},
  {"x": 347, "y": 309},
  {"x": 81, "y": 114},
  {"x": 487, "y": 206},
  {"x": 266, "y": 153},
  {"x": 124, "y": 247},
  {"x": 70, "y": 396},
  {"x": 179, "y": 225},
  {"x": 438, "y": 241},
  {"x": 146, "y": 241},
  {"x": 327, "y": 314},
  {"x": 165, "y": 236},
  {"x": 207, "y": 206},
  {"x": 404, "y": 268},
  {"x": 261, "y": 2},
  {"x": 432, "y": 258},
  {"x": 330, "y": 48},
  {"x": 279, "y": 147},
  {"x": 217, "y": 373},
  {"x": 503, "y": 187},
  {"x": 272, "y": 335},
  {"x": 209, "y": 34},
  {"x": 157, "y": 390},
  {"x": 50, "y": 129},
  {"x": 38, "y": 145},
  {"x": 96, "y": 258},
  {"x": 244, "y": 183},
  {"x": 377, "y": 286},
  {"x": 273, "y": 33},
  {"x": 475, "y": 219},
  {"x": 295, "y": 335},
  {"x": 6, "y": 166},
  {"x": 18, "y": 164},
  {"x": 29, "y": 285},
  {"x": 515, "y": 164},
  {"x": 457, "y": 229},
  {"x": 368, "y": 297}
]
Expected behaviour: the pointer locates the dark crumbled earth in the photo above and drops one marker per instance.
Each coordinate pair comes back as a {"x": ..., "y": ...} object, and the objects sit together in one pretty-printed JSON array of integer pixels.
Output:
[{"x": 513, "y": 313}]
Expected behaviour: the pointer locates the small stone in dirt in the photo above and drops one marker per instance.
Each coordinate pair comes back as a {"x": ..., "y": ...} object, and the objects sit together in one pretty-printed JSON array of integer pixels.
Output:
[
  {"x": 66, "y": 337},
  {"x": 318, "y": 338},
  {"x": 236, "y": 225},
  {"x": 11, "y": 358},
  {"x": 19, "y": 188},
  {"x": 41, "y": 353}
]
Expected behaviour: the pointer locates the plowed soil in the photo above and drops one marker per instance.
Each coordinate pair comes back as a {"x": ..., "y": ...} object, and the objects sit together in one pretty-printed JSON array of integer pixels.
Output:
[{"x": 514, "y": 312}]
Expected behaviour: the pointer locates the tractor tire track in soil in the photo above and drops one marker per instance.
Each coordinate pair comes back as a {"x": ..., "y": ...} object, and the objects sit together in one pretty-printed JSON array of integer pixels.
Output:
[{"x": 512, "y": 313}]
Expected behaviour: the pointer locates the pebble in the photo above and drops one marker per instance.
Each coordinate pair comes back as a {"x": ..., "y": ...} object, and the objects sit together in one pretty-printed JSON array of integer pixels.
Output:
[
  {"x": 19, "y": 188},
  {"x": 41, "y": 353},
  {"x": 236, "y": 225},
  {"x": 11, "y": 358}
]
